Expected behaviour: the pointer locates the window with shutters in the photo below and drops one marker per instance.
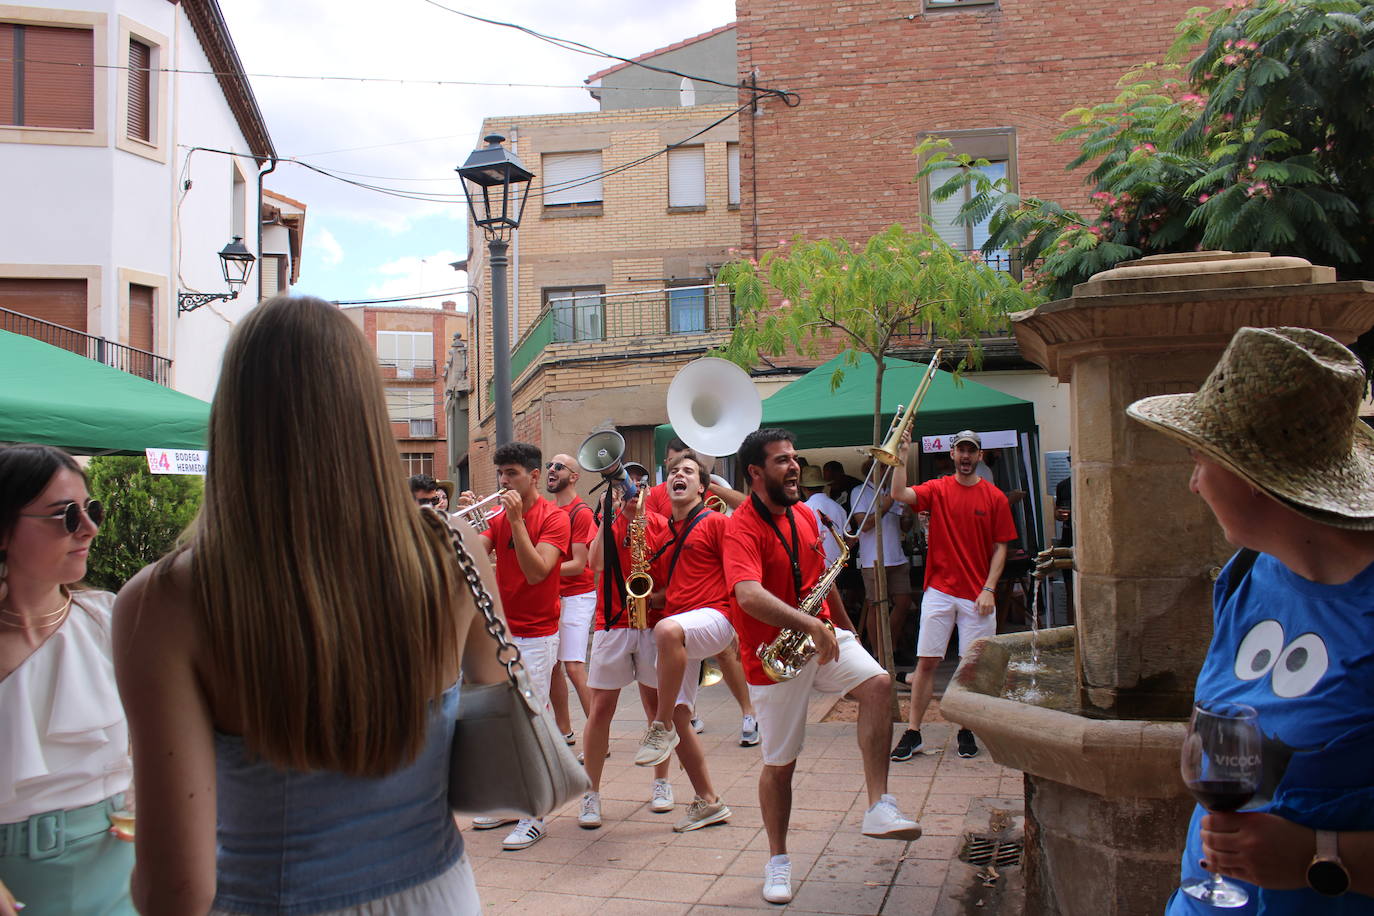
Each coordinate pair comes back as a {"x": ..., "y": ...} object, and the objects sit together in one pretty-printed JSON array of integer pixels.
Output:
[
  {"x": 732, "y": 167},
  {"x": 140, "y": 91},
  {"x": 408, "y": 351},
  {"x": 405, "y": 405},
  {"x": 955, "y": 4},
  {"x": 273, "y": 275},
  {"x": 578, "y": 312},
  {"x": 572, "y": 183},
  {"x": 47, "y": 76},
  {"x": 686, "y": 179},
  {"x": 998, "y": 147}
]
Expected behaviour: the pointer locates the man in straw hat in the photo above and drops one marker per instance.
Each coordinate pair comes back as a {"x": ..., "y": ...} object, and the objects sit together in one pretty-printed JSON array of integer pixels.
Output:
[{"x": 1287, "y": 468}]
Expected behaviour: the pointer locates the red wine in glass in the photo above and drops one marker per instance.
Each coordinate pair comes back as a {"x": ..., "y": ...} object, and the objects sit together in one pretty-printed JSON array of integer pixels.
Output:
[{"x": 1222, "y": 764}]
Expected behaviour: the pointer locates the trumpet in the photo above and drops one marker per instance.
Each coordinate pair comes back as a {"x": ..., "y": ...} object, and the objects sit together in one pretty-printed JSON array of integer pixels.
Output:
[
  {"x": 887, "y": 456},
  {"x": 476, "y": 514}
]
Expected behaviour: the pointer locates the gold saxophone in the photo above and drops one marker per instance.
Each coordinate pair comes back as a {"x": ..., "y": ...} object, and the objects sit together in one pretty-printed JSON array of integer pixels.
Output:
[
  {"x": 791, "y": 649},
  {"x": 638, "y": 584}
]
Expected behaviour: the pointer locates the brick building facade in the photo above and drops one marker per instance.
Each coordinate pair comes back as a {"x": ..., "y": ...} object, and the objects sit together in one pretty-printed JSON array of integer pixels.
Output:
[
  {"x": 609, "y": 277},
  {"x": 412, "y": 347}
]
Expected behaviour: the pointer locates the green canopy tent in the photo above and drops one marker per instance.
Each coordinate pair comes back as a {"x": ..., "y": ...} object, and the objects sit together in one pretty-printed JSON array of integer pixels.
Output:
[
  {"x": 54, "y": 397},
  {"x": 822, "y": 418}
]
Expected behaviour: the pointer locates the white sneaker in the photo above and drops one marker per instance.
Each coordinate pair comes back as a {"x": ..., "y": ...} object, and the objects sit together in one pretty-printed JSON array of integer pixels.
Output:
[
  {"x": 701, "y": 813},
  {"x": 777, "y": 880},
  {"x": 662, "y": 800},
  {"x": 490, "y": 823},
  {"x": 698, "y": 724},
  {"x": 526, "y": 833},
  {"x": 590, "y": 816},
  {"x": 657, "y": 745},
  {"x": 749, "y": 732},
  {"x": 886, "y": 822}
]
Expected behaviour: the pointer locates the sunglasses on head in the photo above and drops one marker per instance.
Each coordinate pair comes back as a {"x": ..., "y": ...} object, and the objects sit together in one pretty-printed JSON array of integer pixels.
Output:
[
  {"x": 555, "y": 466},
  {"x": 71, "y": 514}
]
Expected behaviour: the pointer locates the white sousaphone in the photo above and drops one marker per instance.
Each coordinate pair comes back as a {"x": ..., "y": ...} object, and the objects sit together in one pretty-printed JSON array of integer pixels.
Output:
[{"x": 713, "y": 405}]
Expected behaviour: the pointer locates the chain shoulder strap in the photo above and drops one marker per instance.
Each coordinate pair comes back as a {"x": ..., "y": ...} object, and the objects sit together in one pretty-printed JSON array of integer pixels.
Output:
[{"x": 507, "y": 653}]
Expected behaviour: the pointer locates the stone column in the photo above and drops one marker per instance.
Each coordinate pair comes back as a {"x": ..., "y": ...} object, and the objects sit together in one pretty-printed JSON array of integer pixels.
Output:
[{"x": 1145, "y": 545}]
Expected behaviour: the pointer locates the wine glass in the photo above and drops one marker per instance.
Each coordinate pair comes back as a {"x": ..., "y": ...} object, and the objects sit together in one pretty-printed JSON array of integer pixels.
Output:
[{"x": 1221, "y": 764}]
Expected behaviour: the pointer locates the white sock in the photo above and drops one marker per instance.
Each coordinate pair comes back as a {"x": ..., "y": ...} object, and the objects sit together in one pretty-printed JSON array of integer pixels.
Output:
[{"x": 780, "y": 860}]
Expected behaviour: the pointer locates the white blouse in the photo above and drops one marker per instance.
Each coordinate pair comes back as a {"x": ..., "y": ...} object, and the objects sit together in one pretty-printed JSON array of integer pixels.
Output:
[{"x": 64, "y": 742}]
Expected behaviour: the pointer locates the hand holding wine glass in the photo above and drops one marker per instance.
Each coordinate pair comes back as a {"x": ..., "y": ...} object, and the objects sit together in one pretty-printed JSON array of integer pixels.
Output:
[{"x": 1222, "y": 765}]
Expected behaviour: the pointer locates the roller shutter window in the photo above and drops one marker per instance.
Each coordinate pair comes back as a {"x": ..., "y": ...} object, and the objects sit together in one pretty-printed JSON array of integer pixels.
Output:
[
  {"x": 687, "y": 176},
  {"x": 141, "y": 317},
  {"x": 58, "y": 302},
  {"x": 271, "y": 275},
  {"x": 572, "y": 178},
  {"x": 944, "y": 214},
  {"x": 732, "y": 158},
  {"x": 47, "y": 78},
  {"x": 140, "y": 91}
]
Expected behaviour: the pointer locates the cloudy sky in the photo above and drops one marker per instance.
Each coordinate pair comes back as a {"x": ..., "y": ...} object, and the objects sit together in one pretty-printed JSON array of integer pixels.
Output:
[{"x": 410, "y": 135}]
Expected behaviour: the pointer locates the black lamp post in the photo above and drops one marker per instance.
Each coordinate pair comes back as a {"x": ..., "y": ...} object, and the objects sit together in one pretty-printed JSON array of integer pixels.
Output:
[
  {"x": 497, "y": 184},
  {"x": 236, "y": 263}
]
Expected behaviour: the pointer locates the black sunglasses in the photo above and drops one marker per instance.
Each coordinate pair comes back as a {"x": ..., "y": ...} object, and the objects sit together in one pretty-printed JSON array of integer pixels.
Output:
[
  {"x": 71, "y": 514},
  {"x": 555, "y": 466}
]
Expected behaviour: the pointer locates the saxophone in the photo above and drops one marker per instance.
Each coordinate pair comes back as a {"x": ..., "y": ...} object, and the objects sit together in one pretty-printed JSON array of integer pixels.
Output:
[
  {"x": 638, "y": 584},
  {"x": 791, "y": 649}
]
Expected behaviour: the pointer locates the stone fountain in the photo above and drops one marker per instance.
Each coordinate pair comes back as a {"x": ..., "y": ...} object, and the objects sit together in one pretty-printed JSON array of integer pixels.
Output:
[{"x": 1105, "y": 807}]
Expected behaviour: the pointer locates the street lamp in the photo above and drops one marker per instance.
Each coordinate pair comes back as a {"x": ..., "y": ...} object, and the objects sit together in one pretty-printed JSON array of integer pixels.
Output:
[
  {"x": 236, "y": 263},
  {"x": 497, "y": 185}
]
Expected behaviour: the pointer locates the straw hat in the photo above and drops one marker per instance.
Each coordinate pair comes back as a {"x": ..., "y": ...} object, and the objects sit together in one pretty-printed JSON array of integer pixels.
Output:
[
  {"x": 1281, "y": 409},
  {"x": 812, "y": 477},
  {"x": 448, "y": 487}
]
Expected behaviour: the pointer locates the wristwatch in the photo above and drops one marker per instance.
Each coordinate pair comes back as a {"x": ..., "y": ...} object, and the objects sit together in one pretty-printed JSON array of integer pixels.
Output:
[{"x": 1326, "y": 874}]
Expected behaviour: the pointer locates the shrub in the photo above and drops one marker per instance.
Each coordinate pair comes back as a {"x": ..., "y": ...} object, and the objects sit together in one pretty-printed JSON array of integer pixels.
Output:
[{"x": 144, "y": 515}]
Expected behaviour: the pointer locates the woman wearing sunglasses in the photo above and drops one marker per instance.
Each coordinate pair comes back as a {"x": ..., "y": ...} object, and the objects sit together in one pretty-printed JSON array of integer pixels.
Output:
[
  {"x": 289, "y": 672},
  {"x": 64, "y": 762}
]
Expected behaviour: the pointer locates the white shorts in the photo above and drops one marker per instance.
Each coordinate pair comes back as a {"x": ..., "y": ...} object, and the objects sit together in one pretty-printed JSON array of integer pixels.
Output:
[
  {"x": 538, "y": 654},
  {"x": 781, "y": 708},
  {"x": 574, "y": 624},
  {"x": 706, "y": 632},
  {"x": 939, "y": 613},
  {"x": 620, "y": 657}
]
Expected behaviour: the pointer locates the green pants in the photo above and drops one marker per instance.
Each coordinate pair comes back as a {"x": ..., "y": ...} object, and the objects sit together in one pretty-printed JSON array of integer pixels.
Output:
[{"x": 89, "y": 876}]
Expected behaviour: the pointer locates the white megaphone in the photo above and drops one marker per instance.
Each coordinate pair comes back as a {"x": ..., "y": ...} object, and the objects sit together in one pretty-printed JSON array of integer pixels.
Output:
[
  {"x": 713, "y": 405},
  {"x": 602, "y": 453}
]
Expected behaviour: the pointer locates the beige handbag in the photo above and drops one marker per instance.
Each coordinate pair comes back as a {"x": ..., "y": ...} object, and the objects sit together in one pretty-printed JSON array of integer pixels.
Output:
[{"x": 508, "y": 756}]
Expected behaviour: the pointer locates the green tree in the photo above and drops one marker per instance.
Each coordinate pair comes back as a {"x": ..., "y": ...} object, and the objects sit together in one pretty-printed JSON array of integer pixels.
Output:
[
  {"x": 898, "y": 286},
  {"x": 1261, "y": 142},
  {"x": 145, "y": 513}
]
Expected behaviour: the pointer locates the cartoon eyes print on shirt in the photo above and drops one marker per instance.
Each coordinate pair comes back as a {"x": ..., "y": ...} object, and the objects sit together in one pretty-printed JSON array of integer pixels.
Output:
[{"x": 1296, "y": 667}]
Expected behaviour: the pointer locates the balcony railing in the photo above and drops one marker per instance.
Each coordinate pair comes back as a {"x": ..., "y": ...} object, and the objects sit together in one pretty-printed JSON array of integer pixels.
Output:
[
  {"x": 407, "y": 368},
  {"x": 121, "y": 356},
  {"x": 643, "y": 323}
]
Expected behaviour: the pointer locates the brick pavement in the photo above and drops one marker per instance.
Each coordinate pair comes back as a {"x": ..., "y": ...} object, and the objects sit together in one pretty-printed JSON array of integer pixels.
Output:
[{"x": 635, "y": 864}]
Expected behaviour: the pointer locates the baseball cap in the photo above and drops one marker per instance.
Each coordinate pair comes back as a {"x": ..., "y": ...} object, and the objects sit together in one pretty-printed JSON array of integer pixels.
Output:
[{"x": 967, "y": 435}]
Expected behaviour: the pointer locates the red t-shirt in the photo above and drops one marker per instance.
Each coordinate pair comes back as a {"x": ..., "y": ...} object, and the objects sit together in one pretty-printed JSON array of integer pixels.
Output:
[
  {"x": 698, "y": 580},
  {"x": 531, "y": 610},
  {"x": 655, "y": 533},
  {"x": 580, "y": 517},
  {"x": 659, "y": 501},
  {"x": 754, "y": 553},
  {"x": 965, "y": 523}
]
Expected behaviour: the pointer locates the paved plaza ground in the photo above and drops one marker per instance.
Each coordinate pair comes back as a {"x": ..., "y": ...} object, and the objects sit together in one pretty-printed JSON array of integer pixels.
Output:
[{"x": 636, "y": 864}]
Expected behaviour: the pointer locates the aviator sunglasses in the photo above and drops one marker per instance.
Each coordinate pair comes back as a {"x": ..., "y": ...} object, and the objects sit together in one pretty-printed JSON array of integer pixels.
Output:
[
  {"x": 555, "y": 466},
  {"x": 71, "y": 514}
]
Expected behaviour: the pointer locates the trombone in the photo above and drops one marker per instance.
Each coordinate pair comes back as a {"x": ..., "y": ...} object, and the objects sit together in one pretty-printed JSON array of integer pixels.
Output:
[
  {"x": 887, "y": 456},
  {"x": 482, "y": 519}
]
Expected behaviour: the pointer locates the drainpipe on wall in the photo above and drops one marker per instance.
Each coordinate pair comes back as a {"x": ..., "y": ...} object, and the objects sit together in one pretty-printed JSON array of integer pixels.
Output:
[{"x": 263, "y": 173}]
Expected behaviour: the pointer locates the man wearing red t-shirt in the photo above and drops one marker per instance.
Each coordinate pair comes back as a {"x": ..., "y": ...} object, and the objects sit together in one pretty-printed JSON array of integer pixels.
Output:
[
  {"x": 621, "y": 656},
  {"x": 531, "y": 539},
  {"x": 970, "y": 525},
  {"x": 576, "y": 593},
  {"x": 694, "y": 627},
  {"x": 773, "y": 558}
]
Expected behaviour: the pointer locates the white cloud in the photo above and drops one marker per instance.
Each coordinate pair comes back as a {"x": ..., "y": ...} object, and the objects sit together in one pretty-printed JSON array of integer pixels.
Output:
[
  {"x": 320, "y": 243},
  {"x": 407, "y": 276}
]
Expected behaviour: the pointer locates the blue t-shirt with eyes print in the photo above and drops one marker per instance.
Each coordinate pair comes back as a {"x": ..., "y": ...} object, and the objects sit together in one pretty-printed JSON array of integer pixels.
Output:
[{"x": 1302, "y": 654}]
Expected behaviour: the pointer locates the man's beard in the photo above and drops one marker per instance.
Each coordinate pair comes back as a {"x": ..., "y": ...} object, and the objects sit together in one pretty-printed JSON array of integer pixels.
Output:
[
  {"x": 558, "y": 486},
  {"x": 778, "y": 494}
]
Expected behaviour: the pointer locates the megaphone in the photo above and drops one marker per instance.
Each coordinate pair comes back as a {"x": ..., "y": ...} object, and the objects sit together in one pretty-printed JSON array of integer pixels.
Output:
[
  {"x": 601, "y": 453},
  {"x": 713, "y": 405}
]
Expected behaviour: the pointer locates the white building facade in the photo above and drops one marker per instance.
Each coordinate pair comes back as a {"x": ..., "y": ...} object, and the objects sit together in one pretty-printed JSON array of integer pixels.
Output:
[{"x": 112, "y": 199}]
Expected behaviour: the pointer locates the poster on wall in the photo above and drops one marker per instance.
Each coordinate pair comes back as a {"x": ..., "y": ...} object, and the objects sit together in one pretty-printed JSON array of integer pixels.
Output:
[
  {"x": 177, "y": 461},
  {"x": 1001, "y": 438}
]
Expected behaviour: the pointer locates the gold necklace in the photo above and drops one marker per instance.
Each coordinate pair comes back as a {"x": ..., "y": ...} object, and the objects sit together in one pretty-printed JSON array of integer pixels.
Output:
[{"x": 41, "y": 621}]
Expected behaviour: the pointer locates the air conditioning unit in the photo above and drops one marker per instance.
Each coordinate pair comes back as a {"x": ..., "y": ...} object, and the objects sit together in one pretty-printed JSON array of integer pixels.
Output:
[{"x": 421, "y": 428}]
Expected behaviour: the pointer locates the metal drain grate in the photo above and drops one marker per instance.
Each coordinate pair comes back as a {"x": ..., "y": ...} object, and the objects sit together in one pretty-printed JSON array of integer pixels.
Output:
[{"x": 982, "y": 850}]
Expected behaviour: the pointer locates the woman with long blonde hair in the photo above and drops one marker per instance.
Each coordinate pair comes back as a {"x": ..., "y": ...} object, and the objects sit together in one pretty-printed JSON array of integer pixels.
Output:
[{"x": 289, "y": 672}]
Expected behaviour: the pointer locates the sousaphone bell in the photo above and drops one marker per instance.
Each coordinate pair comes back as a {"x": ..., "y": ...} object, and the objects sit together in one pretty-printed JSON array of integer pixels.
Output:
[{"x": 713, "y": 405}]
